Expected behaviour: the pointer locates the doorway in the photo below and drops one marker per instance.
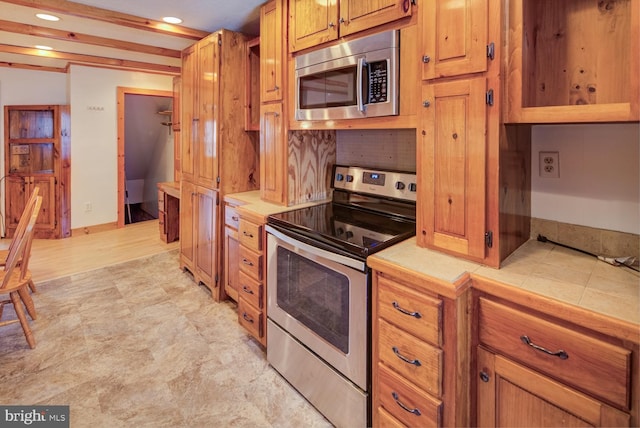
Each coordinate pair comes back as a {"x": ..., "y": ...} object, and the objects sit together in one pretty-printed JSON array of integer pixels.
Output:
[{"x": 145, "y": 151}]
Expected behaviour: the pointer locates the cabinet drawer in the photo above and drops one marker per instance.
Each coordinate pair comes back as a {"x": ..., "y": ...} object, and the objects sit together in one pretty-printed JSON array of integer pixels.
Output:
[
  {"x": 405, "y": 402},
  {"x": 250, "y": 318},
  {"x": 385, "y": 420},
  {"x": 162, "y": 222},
  {"x": 590, "y": 364},
  {"x": 412, "y": 358},
  {"x": 250, "y": 290},
  {"x": 414, "y": 312},
  {"x": 231, "y": 217},
  {"x": 251, "y": 263},
  {"x": 161, "y": 200},
  {"x": 250, "y": 235}
]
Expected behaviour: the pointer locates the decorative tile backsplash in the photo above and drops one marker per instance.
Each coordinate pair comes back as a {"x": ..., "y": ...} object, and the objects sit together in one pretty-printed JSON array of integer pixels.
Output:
[{"x": 608, "y": 243}]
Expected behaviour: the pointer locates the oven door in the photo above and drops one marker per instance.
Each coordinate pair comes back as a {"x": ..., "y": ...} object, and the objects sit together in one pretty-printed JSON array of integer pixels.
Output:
[{"x": 321, "y": 299}]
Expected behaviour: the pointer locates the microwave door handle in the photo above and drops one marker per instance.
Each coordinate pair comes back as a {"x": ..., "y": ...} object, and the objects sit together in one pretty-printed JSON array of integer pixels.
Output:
[{"x": 362, "y": 63}]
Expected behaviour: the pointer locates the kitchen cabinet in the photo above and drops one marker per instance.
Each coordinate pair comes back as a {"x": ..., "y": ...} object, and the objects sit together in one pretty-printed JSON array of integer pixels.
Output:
[
  {"x": 454, "y": 38},
  {"x": 272, "y": 50},
  {"x": 273, "y": 123},
  {"x": 176, "y": 117},
  {"x": 573, "y": 61},
  {"x": 536, "y": 371},
  {"x": 475, "y": 178},
  {"x": 169, "y": 211},
  {"x": 315, "y": 22},
  {"x": 419, "y": 346},
  {"x": 37, "y": 152},
  {"x": 252, "y": 89},
  {"x": 218, "y": 156},
  {"x": 252, "y": 314},
  {"x": 199, "y": 232},
  {"x": 231, "y": 250}
]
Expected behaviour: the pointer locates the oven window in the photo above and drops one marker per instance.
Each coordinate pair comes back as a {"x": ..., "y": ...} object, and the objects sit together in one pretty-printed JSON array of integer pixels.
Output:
[
  {"x": 316, "y": 296},
  {"x": 336, "y": 88}
]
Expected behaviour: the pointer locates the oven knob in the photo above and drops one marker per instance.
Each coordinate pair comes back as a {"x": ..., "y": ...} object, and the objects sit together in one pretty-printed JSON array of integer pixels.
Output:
[
  {"x": 339, "y": 177},
  {"x": 412, "y": 187},
  {"x": 349, "y": 234},
  {"x": 339, "y": 231},
  {"x": 399, "y": 185},
  {"x": 349, "y": 178}
]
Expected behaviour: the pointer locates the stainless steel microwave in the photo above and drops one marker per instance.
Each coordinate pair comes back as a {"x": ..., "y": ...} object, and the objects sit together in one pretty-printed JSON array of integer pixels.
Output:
[{"x": 354, "y": 79}]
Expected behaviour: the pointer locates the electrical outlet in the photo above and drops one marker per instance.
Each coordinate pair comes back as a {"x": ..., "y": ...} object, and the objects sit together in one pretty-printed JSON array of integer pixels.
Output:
[
  {"x": 549, "y": 164},
  {"x": 87, "y": 207}
]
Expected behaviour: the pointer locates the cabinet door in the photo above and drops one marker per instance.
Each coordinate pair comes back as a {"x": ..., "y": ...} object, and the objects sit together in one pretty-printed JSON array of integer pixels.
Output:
[
  {"x": 18, "y": 191},
  {"x": 176, "y": 117},
  {"x": 187, "y": 244},
  {"x": 47, "y": 218},
  {"x": 312, "y": 23},
  {"x": 189, "y": 121},
  {"x": 208, "y": 112},
  {"x": 231, "y": 260},
  {"x": 205, "y": 238},
  {"x": 358, "y": 15},
  {"x": 272, "y": 153},
  {"x": 512, "y": 395},
  {"x": 271, "y": 47},
  {"x": 451, "y": 209},
  {"x": 454, "y": 37}
]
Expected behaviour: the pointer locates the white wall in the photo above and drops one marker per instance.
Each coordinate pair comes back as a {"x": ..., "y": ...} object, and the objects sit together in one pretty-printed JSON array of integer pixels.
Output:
[
  {"x": 599, "y": 183},
  {"x": 94, "y": 139}
]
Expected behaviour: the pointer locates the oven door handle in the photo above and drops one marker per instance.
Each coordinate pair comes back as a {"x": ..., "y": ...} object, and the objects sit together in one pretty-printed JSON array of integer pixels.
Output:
[{"x": 319, "y": 252}]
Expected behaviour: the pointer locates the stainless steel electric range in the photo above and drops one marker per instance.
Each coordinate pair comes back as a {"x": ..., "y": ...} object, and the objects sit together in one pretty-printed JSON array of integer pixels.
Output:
[{"x": 318, "y": 294}]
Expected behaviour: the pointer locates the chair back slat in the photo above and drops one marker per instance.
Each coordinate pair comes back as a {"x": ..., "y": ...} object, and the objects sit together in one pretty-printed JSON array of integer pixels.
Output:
[
  {"x": 17, "y": 253},
  {"x": 25, "y": 216}
]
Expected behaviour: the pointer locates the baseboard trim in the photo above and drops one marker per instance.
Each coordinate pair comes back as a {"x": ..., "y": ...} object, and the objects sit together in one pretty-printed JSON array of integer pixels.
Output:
[{"x": 94, "y": 229}]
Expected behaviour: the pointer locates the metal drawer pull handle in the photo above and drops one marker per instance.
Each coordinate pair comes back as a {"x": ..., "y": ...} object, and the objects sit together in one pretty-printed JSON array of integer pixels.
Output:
[
  {"x": 247, "y": 262},
  {"x": 235, "y": 218},
  {"x": 414, "y": 411},
  {"x": 560, "y": 354},
  {"x": 245, "y": 233},
  {"x": 247, "y": 289},
  {"x": 246, "y": 317},
  {"x": 416, "y": 362},
  {"x": 406, "y": 312}
]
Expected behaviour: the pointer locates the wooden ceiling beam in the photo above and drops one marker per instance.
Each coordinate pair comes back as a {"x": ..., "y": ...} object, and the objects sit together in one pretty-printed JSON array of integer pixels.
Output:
[
  {"x": 80, "y": 58},
  {"x": 112, "y": 17},
  {"x": 33, "y": 30},
  {"x": 32, "y": 67}
]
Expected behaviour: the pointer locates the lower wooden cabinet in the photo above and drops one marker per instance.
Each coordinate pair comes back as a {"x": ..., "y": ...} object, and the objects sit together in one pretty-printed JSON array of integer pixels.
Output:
[
  {"x": 231, "y": 251},
  {"x": 18, "y": 190},
  {"x": 534, "y": 371},
  {"x": 168, "y": 215},
  {"x": 252, "y": 313}
]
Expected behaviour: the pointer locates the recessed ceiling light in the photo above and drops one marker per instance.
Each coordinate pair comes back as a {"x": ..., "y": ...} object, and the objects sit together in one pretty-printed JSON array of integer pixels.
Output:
[
  {"x": 43, "y": 47},
  {"x": 47, "y": 17},
  {"x": 172, "y": 20}
]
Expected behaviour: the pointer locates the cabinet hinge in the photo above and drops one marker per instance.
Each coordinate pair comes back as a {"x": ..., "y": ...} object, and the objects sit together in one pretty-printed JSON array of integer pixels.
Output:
[
  {"x": 217, "y": 278},
  {"x": 218, "y": 179},
  {"x": 488, "y": 238},
  {"x": 491, "y": 50},
  {"x": 414, "y": 2},
  {"x": 489, "y": 97},
  {"x": 217, "y": 198},
  {"x": 219, "y": 40}
]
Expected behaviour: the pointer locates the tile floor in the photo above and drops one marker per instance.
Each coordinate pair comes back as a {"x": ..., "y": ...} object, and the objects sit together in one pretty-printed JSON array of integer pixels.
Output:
[{"x": 140, "y": 345}]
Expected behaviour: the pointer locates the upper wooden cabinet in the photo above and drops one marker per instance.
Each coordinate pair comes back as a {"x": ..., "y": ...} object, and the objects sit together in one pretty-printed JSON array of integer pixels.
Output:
[
  {"x": 271, "y": 51},
  {"x": 573, "y": 61},
  {"x": 451, "y": 207},
  {"x": 37, "y": 152},
  {"x": 314, "y": 22},
  {"x": 454, "y": 38}
]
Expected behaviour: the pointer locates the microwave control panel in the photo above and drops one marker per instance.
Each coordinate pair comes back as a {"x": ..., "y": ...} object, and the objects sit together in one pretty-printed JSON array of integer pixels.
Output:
[{"x": 378, "y": 81}]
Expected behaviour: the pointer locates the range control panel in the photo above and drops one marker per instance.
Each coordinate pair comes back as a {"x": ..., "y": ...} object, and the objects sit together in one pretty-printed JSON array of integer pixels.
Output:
[{"x": 388, "y": 184}]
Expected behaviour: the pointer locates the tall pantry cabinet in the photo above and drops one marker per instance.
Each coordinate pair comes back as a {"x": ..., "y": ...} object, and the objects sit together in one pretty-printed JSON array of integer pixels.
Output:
[
  {"x": 37, "y": 152},
  {"x": 217, "y": 155}
]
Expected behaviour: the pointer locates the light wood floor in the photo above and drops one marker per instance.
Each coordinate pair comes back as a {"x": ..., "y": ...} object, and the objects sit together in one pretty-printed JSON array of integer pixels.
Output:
[{"x": 55, "y": 258}]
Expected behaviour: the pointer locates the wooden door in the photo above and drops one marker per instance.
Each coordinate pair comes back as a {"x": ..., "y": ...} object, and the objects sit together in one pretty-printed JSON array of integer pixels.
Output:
[
  {"x": 511, "y": 395},
  {"x": 205, "y": 237},
  {"x": 312, "y": 23},
  {"x": 271, "y": 46},
  {"x": 455, "y": 37},
  {"x": 358, "y": 15},
  {"x": 451, "y": 209},
  {"x": 18, "y": 190},
  {"x": 208, "y": 111},
  {"x": 272, "y": 153},
  {"x": 188, "y": 118},
  {"x": 187, "y": 246}
]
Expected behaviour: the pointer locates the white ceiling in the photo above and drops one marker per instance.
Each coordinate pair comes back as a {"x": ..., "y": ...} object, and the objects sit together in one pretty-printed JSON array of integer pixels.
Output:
[{"x": 17, "y": 44}]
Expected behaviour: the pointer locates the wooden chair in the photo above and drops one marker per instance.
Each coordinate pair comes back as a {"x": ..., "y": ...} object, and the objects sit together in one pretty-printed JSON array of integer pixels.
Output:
[
  {"x": 22, "y": 224},
  {"x": 15, "y": 277}
]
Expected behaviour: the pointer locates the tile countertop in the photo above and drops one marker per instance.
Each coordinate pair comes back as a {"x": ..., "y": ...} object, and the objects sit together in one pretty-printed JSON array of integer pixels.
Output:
[{"x": 553, "y": 272}]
